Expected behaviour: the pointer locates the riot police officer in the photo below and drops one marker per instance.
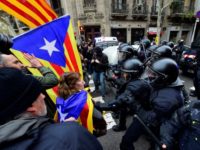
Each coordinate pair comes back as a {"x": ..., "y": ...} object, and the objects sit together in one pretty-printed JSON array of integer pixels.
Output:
[
  {"x": 186, "y": 120},
  {"x": 151, "y": 49},
  {"x": 164, "y": 100},
  {"x": 130, "y": 94},
  {"x": 179, "y": 50},
  {"x": 166, "y": 52},
  {"x": 171, "y": 44},
  {"x": 144, "y": 45},
  {"x": 196, "y": 81},
  {"x": 126, "y": 52},
  {"x": 164, "y": 42},
  {"x": 159, "y": 52}
]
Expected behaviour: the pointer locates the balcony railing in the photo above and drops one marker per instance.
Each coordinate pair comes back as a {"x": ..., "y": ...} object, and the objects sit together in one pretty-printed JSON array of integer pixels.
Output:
[
  {"x": 181, "y": 10},
  {"x": 119, "y": 10},
  {"x": 140, "y": 10},
  {"x": 89, "y": 7},
  {"x": 182, "y": 13},
  {"x": 154, "y": 12}
]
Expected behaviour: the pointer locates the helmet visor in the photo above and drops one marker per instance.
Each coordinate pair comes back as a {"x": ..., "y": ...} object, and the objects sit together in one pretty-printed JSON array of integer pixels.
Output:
[
  {"x": 121, "y": 56},
  {"x": 149, "y": 75}
]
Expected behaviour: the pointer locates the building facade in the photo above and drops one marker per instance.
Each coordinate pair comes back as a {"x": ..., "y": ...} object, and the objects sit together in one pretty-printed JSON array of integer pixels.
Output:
[{"x": 128, "y": 20}]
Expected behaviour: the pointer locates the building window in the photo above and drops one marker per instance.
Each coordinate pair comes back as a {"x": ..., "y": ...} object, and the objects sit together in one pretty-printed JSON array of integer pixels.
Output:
[
  {"x": 56, "y": 5},
  {"x": 119, "y": 4},
  {"x": 89, "y": 3},
  {"x": 192, "y": 5}
]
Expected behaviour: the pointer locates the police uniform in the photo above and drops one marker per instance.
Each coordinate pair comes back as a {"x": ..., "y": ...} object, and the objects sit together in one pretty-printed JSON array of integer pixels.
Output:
[
  {"x": 185, "y": 124},
  {"x": 164, "y": 100}
]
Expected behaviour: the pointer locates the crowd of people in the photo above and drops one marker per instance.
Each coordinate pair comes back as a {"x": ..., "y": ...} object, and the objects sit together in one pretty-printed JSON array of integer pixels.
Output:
[{"x": 147, "y": 86}]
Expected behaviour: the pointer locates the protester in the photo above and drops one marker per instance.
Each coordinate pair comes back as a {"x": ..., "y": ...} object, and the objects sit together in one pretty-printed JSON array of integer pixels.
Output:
[
  {"x": 100, "y": 64},
  {"x": 48, "y": 80},
  {"x": 23, "y": 124},
  {"x": 75, "y": 103}
]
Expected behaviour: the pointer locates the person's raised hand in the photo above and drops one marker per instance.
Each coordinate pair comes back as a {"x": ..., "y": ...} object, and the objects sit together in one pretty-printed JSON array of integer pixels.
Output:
[{"x": 33, "y": 60}]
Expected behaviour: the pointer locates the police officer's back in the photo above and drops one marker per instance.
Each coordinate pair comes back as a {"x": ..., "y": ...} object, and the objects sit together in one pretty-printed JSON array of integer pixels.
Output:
[{"x": 183, "y": 127}]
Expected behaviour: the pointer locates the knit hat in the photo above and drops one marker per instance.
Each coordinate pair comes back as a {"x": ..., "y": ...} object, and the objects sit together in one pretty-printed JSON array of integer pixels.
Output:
[{"x": 17, "y": 92}]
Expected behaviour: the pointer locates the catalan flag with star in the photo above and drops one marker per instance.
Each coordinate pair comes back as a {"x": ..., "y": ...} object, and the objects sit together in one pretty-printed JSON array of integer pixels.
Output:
[
  {"x": 79, "y": 106},
  {"x": 54, "y": 45}
]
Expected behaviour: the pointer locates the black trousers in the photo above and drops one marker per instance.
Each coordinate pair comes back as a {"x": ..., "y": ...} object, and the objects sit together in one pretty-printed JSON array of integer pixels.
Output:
[{"x": 132, "y": 134}]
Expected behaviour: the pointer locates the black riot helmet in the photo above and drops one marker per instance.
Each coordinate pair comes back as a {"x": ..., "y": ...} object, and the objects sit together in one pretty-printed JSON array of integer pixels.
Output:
[
  {"x": 146, "y": 43},
  {"x": 125, "y": 52},
  {"x": 163, "y": 72},
  {"x": 163, "y": 52},
  {"x": 164, "y": 42},
  {"x": 121, "y": 46},
  {"x": 151, "y": 49},
  {"x": 181, "y": 42},
  {"x": 5, "y": 44},
  {"x": 133, "y": 67},
  {"x": 170, "y": 44}
]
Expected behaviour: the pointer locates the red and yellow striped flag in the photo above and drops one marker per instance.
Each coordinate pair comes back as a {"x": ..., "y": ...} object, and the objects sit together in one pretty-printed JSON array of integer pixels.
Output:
[{"x": 32, "y": 12}]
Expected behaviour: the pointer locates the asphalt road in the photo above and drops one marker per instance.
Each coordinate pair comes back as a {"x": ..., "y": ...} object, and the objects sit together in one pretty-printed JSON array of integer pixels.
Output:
[{"x": 112, "y": 139}]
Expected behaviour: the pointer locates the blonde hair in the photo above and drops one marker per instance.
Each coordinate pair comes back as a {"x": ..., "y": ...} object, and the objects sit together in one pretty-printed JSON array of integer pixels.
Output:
[{"x": 67, "y": 83}]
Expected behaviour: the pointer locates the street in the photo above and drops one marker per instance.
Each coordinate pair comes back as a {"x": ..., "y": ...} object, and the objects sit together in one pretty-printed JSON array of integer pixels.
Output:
[{"x": 112, "y": 139}]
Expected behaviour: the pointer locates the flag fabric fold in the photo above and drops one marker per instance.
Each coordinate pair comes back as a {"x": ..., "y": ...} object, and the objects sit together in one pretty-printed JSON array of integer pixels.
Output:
[
  {"x": 53, "y": 44},
  {"x": 31, "y": 12},
  {"x": 79, "y": 106}
]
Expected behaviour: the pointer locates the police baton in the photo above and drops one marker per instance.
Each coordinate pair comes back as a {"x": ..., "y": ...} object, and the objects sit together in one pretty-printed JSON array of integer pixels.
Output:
[{"x": 149, "y": 131}]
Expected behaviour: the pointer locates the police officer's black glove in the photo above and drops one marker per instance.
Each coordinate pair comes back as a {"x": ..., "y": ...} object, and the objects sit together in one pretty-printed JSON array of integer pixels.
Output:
[
  {"x": 114, "y": 105},
  {"x": 184, "y": 116},
  {"x": 106, "y": 106}
]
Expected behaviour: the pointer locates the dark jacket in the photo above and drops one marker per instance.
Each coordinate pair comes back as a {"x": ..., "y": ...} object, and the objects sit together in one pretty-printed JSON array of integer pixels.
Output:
[
  {"x": 103, "y": 65},
  {"x": 163, "y": 101},
  {"x": 185, "y": 124},
  {"x": 136, "y": 91},
  {"x": 41, "y": 133},
  {"x": 49, "y": 79}
]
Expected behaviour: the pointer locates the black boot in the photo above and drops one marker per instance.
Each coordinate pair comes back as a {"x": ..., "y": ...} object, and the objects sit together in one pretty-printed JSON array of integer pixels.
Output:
[{"x": 118, "y": 128}]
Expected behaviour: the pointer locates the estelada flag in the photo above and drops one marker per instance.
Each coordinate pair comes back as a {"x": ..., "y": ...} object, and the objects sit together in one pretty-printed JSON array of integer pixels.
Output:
[
  {"x": 54, "y": 45},
  {"x": 31, "y": 12},
  {"x": 79, "y": 106}
]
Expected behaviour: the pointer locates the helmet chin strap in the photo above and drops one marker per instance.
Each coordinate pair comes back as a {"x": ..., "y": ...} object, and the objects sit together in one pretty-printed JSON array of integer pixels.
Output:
[{"x": 157, "y": 82}]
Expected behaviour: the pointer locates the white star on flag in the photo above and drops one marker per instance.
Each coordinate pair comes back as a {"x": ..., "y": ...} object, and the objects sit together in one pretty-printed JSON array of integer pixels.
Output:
[
  {"x": 62, "y": 115},
  {"x": 49, "y": 46}
]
